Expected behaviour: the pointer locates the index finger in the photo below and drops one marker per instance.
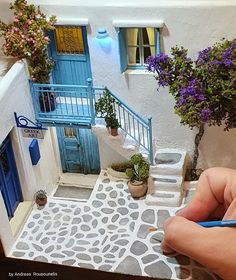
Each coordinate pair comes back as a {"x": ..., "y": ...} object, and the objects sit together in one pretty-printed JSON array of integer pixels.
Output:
[{"x": 212, "y": 190}]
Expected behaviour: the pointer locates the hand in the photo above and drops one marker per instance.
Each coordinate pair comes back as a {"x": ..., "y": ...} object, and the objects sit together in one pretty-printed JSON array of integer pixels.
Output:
[{"x": 214, "y": 248}]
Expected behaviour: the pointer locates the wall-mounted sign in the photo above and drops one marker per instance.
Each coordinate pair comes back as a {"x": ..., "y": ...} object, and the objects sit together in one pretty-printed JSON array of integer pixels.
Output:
[{"x": 32, "y": 133}]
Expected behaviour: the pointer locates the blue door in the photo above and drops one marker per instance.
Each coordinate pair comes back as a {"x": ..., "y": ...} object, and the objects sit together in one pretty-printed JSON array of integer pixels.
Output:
[
  {"x": 9, "y": 181},
  {"x": 69, "y": 50},
  {"x": 78, "y": 149}
]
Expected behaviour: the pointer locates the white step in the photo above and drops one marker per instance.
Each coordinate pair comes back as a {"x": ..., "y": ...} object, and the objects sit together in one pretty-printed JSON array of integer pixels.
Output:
[
  {"x": 164, "y": 183},
  {"x": 161, "y": 198}
]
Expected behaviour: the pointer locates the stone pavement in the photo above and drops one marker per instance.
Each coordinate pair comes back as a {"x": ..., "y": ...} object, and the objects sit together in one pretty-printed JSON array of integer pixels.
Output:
[{"x": 111, "y": 232}]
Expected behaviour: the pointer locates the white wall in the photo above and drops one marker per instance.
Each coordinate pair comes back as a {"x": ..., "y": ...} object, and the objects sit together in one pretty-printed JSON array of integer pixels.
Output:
[
  {"x": 15, "y": 97},
  {"x": 193, "y": 24}
]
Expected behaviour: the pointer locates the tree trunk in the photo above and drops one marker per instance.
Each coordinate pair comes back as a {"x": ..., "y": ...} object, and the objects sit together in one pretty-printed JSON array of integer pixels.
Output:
[{"x": 198, "y": 137}]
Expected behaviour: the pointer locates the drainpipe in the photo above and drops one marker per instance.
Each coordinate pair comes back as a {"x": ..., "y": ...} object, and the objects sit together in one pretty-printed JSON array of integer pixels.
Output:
[
  {"x": 91, "y": 100},
  {"x": 150, "y": 140}
]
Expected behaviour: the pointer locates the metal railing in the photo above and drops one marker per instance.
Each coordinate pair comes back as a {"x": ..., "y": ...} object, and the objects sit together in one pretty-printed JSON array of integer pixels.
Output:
[{"x": 74, "y": 104}]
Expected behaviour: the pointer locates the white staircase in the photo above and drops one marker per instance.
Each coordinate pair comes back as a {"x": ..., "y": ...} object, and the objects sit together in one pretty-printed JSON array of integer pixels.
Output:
[{"x": 165, "y": 183}]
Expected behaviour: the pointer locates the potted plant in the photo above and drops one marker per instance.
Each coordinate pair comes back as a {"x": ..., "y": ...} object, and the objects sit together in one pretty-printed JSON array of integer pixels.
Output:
[
  {"x": 118, "y": 169},
  {"x": 26, "y": 38},
  {"x": 41, "y": 197},
  {"x": 138, "y": 175},
  {"x": 105, "y": 107}
]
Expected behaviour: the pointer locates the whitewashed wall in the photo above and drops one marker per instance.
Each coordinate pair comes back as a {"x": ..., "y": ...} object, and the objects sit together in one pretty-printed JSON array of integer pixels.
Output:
[
  {"x": 15, "y": 97},
  {"x": 193, "y": 24}
]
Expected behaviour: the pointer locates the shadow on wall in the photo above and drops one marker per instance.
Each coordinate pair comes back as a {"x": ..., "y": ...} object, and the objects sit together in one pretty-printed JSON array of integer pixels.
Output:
[{"x": 217, "y": 148}]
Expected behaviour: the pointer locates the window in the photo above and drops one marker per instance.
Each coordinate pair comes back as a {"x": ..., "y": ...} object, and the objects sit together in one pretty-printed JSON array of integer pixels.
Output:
[{"x": 136, "y": 44}]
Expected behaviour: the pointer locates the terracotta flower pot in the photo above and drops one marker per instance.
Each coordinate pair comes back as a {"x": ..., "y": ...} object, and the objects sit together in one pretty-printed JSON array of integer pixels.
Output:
[
  {"x": 114, "y": 131},
  {"x": 137, "y": 189},
  {"x": 41, "y": 202}
]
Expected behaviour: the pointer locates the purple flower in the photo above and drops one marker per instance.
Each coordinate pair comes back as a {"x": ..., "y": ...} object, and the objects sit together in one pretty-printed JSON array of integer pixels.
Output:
[
  {"x": 154, "y": 63},
  {"x": 205, "y": 115},
  {"x": 203, "y": 56}
]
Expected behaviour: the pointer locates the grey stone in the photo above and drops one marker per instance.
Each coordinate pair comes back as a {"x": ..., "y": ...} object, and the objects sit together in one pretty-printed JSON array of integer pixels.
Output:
[
  {"x": 77, "y": 211},
  {"x": 101, "y": 196},
  {"x": 67, "y": 210},
  {"x": 113, "y": 194},
  {"x": 37, "y": 247},
  {"x": 74, "y": 229},
  {"x": 105, "y": 220},
  {"x": 157, "y": 237},
  {"x": 86, "y": 265},
  {"x": 182, "y": 273},
  {"x": 46, "y": 217},
  {"x": 86, "y": 208},
  {"x": 79, "y": 235},
  {"x": 109, "y": 256},
  {"x": 51, "y": 204},
  {"x": 55, "y": 210},
  {"x": 57, "y": 255},
  {"x": 18, "y": 254},
  {"x": 68, "y": 262},
  {"x": 97, "y": 259},
  {"x": 114, "y": 218},
  {"x": 149, "y": 258},
  {"x": 105, "y": 267},
  {"x": 114, "y": 249},
  {"x": 201, "y": 274},
  {"x": 49, "y": 249},
  {"x": 122, "y": 210},
  {"x": 41, "y": 222},
  {"x": 40, "y": 259},
  {"x": 63, "y": 205},
  {"x": 66, "y": 218},
  {"x": 148, "y": 216},
  {"x": 130, "y": 266},
  {"x": 45, "y": 240},
  {"x": 106, "y": 248},
  {"x": 56, "y": 224},
  {"x": 97, "y": 203},
  {"x": 50, "y": 232},
  {"x": 39, "y": 236},
  {"x": 76, "y": 221},
  {"x": 124, "y": 221},
  {"x": 31, "y": 224},
  {"x": 134, "y": 215},
  {"x": 48, "y": 225},
  {"x": 114, "y": 237},
  {"x": 107, "y": 210},
  {"x": 31, "y": 254},
  {"x": 35, "y": 229},
  {"x": 83, "y": 256},
  {"x": 70, "y": 243},
  {"x": 93, "y": 250},
  {"x": 112, "y": 203},
  {"x": 94, "y": 223},
  {"x": 120, "y": 186},
  {"x": 57, "y": 216},
  {"x": 122, "y": 230},
  {"x": 179, "y": 259},
  {"x": 85, "y": 228},
  {"x": 157, "y": 249},
  {"x": 121, "y": 201},
  {"x": 54, "y": 238},
  {"x": 60, "y": 239},
  {"x": 167, "y": 158},
  {"x": 108, "y": 189},
  {"x": 131, "y": 226},
  {"x": 162, "y": 216},
  {"x": 125, "y": 235},
  {"x": 68, "y": 253},
  {"x": 78, "y": 248},
  {"x": 104, "y": 240},
  {"x": 106, "y": 181},
  {"x": 96, "y": 214},
  {"x": 101, "y": 231},
  {"x": 122, "y": 242},
  {"x": 121, "y": 253},
  {"x": 112, "y": 227},
  {"x": 96, "y": 243},
  {"x": 100, "y": 187},
  {"x": 138, "y": 248},
  {"x": 159, "y": 269},
  {"x": 82, "y": 242},
  {"x": 36, "y": 216},
  {"x": 133, "y": 205},
  {"x": 62, "y": 233},
  {"x": 23, "y": 235},
  {"x": 58, "y": 247},
  {"x": 91, "y": 235},
  {"x": 121, "y": 194}
]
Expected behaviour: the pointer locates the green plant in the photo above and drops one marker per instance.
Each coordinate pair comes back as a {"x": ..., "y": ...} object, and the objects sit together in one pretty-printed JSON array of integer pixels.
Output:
[
  {"x": 40, "y": 195},
  {"x": 122, "y": 166},
  {"x": 26, "y": 38},
  {"x": 105, "y": 107},
  {"x": 139, "y": 170}
]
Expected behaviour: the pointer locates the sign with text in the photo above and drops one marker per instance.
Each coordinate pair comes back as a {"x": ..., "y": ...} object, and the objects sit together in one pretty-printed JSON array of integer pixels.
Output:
[{"x": 32, "y": 133}]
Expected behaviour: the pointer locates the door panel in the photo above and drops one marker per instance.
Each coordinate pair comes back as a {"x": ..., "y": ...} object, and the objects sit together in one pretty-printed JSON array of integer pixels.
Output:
[
  {"x": 9, "y": 181},
  {"x": 78, "y": 150}
]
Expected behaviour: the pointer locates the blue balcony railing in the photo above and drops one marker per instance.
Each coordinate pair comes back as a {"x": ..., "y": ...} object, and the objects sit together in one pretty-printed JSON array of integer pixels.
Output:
[{"x": 56, "y": 104}]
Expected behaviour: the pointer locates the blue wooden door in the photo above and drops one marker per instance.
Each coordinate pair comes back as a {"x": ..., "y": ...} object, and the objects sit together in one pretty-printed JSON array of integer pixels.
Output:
[
  {"x": 78, "y": 150},
  {"x": 9, "y": 181},
  {"x": 69, "y": 50}
]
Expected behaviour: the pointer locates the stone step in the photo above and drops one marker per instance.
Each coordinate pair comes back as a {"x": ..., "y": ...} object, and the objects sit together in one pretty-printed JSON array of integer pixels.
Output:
[
  {"x": 164, "y": 183},
  {"x": 161, "y": 198}
]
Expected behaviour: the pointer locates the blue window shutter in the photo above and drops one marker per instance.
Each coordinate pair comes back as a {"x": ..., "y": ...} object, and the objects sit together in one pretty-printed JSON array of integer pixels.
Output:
[
  {"x": 157, "y": 40},
  {"x": 122, "y": 49}
]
